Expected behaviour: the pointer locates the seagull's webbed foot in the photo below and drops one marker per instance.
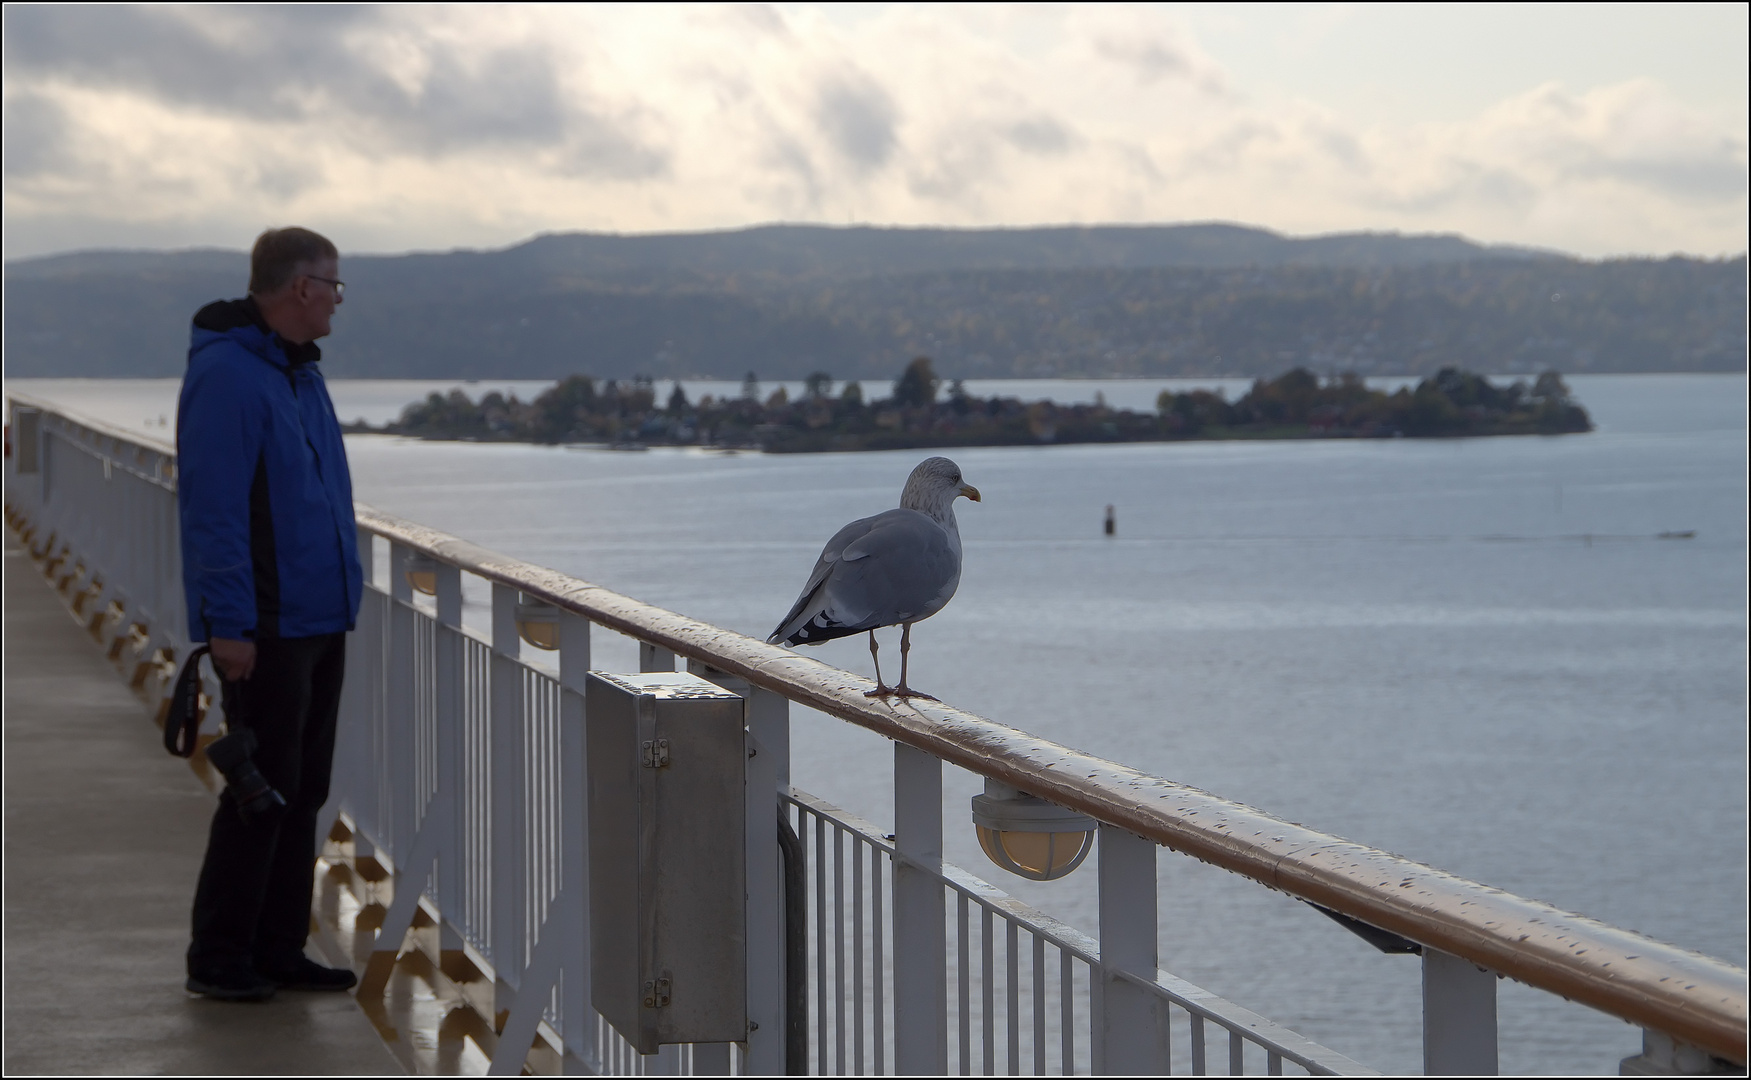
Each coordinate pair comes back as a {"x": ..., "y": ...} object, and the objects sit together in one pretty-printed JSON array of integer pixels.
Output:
[
  {"x": 906, "y": 693},
  {"x": 883, "y": 692}
]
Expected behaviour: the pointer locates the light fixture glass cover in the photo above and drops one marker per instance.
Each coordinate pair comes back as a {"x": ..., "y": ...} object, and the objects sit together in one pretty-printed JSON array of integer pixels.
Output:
[
  {"x": 421, "y": 572},
  {"x": 1029, "y": 836},
  {"x": 538, "y": 624}
]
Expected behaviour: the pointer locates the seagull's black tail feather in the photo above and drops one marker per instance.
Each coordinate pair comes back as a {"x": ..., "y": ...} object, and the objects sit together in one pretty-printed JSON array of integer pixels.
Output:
[
  {"x": 817, "y": 630},
  {"x": 800, "y": 627}
]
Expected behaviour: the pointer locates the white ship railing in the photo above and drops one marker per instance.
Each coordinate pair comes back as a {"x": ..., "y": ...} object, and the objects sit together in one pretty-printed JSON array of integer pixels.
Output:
[{"x": 461, "y": 768}]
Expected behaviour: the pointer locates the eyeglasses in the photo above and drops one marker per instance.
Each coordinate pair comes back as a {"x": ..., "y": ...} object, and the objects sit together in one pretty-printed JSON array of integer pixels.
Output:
[{"x": 340, "y": 287}]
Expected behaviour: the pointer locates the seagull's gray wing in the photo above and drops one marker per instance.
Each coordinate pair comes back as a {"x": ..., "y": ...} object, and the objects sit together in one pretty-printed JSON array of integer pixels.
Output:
[{"x": 898, "y": 566}]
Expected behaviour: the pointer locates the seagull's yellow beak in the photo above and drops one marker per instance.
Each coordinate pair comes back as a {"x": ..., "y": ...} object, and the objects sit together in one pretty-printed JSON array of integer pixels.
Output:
[{"x": 971, "y": 492}]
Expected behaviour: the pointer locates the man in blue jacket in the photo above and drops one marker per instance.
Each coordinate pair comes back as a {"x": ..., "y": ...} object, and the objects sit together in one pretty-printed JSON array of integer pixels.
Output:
[{"x": 272, "y": 575}]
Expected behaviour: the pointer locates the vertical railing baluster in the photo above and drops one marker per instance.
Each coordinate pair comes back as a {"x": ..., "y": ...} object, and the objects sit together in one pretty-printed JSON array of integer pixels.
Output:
[
  {"x": 1039, "y": 1003},
  {"x": 838, "y": 949},
  {"x": 987, "y": 992},
  {"x": 1132, "y": 1038},
  {"x": 1236, "y": 1054},
  {"x": 1273, "y": 1064},
  {"x": 822, "y": 1046},
  {"x": 1067, "y": 1012},
  {"x": 964, "y": 983},
  {"x": 1012, "y": 995},
  {"x": 879, "y": 951},
  {"x": 857, "y": 845},
  {"x": 1200, "y": 1067},
  {"x": 920, "y": 960}
]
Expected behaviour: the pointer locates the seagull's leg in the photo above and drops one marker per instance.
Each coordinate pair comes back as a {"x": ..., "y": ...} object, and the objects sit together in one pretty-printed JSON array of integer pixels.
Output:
[
  {"x": 881, "y": 691},
  {"x": 903, "y": 690}
]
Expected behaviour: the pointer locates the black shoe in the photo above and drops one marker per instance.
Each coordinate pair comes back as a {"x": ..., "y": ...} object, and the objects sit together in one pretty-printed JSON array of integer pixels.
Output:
[
  {"x": 232, "y": 984},
  {"x": 307, "y": 974}
]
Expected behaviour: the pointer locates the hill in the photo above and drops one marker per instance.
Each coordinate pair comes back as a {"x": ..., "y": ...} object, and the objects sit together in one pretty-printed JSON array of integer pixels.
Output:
[{"x": 787, "y": 300}]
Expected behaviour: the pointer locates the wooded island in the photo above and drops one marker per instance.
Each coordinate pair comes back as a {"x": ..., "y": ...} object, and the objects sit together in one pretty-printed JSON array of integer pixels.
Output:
[{"x": 1296, "y": 405}]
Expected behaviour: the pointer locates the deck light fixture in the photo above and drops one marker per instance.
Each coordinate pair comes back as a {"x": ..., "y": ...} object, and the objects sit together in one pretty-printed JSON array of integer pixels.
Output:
[
  {"x": 421, "y": 572},
  {"x": 538, "y": 624},
  {"x": 1029, "y": 836}
]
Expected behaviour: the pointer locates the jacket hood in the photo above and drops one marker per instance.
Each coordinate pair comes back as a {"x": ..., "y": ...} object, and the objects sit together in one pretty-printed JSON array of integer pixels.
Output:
[{"x": 241, "y": 321}]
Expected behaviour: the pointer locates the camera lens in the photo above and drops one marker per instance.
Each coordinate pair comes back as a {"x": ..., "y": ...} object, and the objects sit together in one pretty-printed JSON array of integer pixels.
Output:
[{"x": 256, "y": 799}]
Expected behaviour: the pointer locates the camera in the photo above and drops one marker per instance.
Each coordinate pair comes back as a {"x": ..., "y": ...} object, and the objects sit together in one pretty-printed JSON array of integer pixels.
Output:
[{"x": 232, "y": 754}]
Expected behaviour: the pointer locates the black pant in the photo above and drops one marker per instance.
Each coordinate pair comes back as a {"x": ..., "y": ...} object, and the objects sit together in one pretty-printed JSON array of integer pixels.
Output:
[{"x": 252, "y": 906}]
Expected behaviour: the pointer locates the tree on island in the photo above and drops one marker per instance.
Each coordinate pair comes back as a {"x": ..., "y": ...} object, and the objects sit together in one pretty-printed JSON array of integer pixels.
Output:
[
  {"x": 917, "y": 386},
  {"x": 1296, "y": 405}
]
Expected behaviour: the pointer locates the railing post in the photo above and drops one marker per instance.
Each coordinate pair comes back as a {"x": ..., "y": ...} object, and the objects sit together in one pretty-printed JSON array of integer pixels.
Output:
[
  {"x": 1459, "y": 1017},
  {"x": 579, "y": 1017},
  {"x": 447, "y": 672},
  {"x": 355, "y": 738},
  {"x": 505, "y": 740},
  {"x": 768, "y": 775},
  {"x": 1663, "y": 1055},
  {"x": 920, "y": 940},
  {"x": 667, "y": 1060},
  {"x": 1130, "y": 1037},
  {"x": 397, "y": 750}
]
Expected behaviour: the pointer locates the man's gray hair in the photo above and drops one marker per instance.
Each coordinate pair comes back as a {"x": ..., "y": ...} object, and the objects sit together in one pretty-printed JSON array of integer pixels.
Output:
[{"x": 280, "y": 254}]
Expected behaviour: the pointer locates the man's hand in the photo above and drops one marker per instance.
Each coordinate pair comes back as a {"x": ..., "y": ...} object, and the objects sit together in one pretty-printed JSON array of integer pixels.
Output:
[{"x": 234, "y": 659}]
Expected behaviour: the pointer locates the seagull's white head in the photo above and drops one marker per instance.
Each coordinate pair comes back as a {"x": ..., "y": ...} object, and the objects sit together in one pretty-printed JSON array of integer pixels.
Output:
[{"x": 934, "y": 486}]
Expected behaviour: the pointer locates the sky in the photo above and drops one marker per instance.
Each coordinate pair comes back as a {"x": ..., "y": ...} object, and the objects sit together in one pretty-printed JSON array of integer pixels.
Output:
[{"x": 1595, "y": 130}]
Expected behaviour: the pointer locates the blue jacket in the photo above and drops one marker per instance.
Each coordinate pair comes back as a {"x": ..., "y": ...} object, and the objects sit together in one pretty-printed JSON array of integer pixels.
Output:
[{"x": 269, "y": 547}]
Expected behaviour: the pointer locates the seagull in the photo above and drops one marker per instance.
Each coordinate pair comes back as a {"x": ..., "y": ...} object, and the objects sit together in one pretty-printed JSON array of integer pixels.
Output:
[{"x": 900, "y": 566}]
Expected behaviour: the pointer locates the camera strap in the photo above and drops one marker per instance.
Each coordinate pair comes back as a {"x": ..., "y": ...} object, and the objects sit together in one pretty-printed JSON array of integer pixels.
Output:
[{"x": 184, "y": 720}]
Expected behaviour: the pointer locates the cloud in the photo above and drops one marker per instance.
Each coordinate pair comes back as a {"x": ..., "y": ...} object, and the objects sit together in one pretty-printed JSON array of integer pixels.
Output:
[
  {"x": 1155, "y": 53},
  {"x": 1635, "y": 133},
  {"x": 1150, "y": 59},
  {"x": 858, "y": 119},
  {"x": 36, "y": 135},
  {"x": 333, "y": 67},
  {"x": 399, "y": 127},
  {"x": 1551, "y": 151},
  {"x": 261, "y": 62},
  {"x": 1041, "y": 135}
]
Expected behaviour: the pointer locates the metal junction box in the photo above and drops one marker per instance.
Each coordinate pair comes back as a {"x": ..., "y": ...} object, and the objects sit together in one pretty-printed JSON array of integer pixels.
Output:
[{"x": 668, "y": 895}]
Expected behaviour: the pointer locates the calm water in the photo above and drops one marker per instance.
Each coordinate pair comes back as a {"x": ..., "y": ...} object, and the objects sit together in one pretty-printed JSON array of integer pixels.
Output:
[{"x": 1476, "y": 653}]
